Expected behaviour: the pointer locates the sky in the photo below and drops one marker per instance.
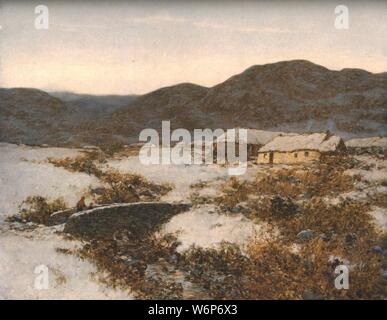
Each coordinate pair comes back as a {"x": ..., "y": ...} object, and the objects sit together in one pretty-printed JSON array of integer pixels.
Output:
[{"x": 128, "y": 47}]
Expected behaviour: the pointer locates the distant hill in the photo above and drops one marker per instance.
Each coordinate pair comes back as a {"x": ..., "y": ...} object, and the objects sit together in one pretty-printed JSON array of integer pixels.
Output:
[
  {"x": 301, "y": 96},
  {"x": 179, "y": 103},
  {"x": 297, "y": 96},
  {"x": 31, "y": 116},
  {"x": 94, "y": 103},
  {"x": 287, "y": 96}
]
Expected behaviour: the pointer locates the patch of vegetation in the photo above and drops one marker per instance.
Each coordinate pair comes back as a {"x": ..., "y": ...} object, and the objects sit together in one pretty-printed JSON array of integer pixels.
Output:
[
  {"x": 118, "y": 187},
  {"x": 294, "y": 183},
  {"x": 122, "y": 262},
  {"x": 85, "y": 163},
  {"x": 233, "y": 192},
  {"x": 284, "y": 267},
  {"x": 348, "y": 217},
  {"x": 111, "y": 148},
  {"x": 127, "y": 187},
  {"x": 292, "y": 199},
  {"x": 379, "y": 199},
  {"x": 321, "y": 180},
  {"x": 127, "y": 151},
  {"x": 59, "y": 276},
  {"x": 37, "y": 209},
  {"x": 199, "y": 185},
  {"x": 292, "y": 265},
  {"x": 198, "y": 199},
  {"x": 273, "y": 270}
]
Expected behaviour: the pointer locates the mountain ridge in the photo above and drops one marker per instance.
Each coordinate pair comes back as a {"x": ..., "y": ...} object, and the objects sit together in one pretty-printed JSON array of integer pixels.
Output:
[{"x": 294, "y": 95}]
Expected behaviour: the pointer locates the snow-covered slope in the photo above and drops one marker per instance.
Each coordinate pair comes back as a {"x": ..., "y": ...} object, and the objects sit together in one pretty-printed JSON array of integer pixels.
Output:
[
  {"x": 379, "y": 142},
  {"x": 25, "y": 172}
]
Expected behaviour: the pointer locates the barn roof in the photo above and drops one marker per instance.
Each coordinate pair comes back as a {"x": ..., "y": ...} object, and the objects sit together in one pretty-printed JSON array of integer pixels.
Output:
[
  {"x": 323, "y": 142},
  {"x": 254, "y": 136},
  {"x": 367, "y": 142}
]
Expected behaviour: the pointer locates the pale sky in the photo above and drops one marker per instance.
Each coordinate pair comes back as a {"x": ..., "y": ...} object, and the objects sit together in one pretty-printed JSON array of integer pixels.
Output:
[{"x": 124, "y": 47}]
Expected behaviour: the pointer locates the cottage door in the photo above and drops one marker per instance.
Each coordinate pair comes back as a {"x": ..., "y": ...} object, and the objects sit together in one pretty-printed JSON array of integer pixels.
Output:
[{"x": 271, "y": 156}]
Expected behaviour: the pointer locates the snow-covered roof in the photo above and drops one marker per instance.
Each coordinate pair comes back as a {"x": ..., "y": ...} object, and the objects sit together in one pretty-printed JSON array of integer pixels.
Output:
[
  {"x": 254, "y": 136},
  {"x": 316, "y": 141},
  {"x": 367, "y": 142}
]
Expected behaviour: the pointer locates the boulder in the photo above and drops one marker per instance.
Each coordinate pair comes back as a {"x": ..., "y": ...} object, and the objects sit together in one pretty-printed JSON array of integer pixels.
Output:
[
  {"x": 310, "y": 295},
  {"x": 350, "y": 238},
  {"x": 138, "y": 217},
  {"x": 283, "y": 206},
  {"x": 306, "y": 234},
  {"x": 60, "y": 217},
  {"x": 377, "y": 249}
]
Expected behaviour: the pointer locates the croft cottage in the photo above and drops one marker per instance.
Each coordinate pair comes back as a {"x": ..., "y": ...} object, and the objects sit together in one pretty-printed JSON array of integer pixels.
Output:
[
  {"x": 255, "y": 140},
  {"x": 298, "y": 148}
]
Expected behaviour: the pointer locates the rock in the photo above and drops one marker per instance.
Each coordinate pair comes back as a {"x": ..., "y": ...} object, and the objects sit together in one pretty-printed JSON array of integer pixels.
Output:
[
  {"x": 235, "y": 210},
  {"x": 309, "y": 295},
  {"x": 306, "y": 234},
  {"x": 97, "y": 191},
  {"x": 282, "y": 206},
  {"x": 335, "y": 261},
  {"x": 138, "y": 218},
  {"x": 90, "y": 147},
  {"x": 23, "y": 226},
  {"x": 350, "y": 238},
  {"x": 173, "y": 259},
  {"x": 60, "y": 217},
  {"x": 324, "y": 237},
  {"x": 377, "y": 249}
]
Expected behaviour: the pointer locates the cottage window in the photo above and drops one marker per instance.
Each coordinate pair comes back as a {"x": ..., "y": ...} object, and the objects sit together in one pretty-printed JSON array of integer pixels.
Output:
[
  {"x": 295, "y": 155},
  {"x": 264, "y": 155},
  {"x": 306, "y": 154}
]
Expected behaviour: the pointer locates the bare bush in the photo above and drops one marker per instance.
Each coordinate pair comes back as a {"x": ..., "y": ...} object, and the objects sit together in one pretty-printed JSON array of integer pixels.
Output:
[
  {"x": 233, "y": 192},
  {"x": 122, "y": 263},
  {"x": 127, "y": 187},
  {"x": 273, "y": 270},
  {"x": 320, "y": 180},
  {"x": 38, "y": 209},
  {"x": 83, "y": 163},
  {"x": 118, "y": 187}
]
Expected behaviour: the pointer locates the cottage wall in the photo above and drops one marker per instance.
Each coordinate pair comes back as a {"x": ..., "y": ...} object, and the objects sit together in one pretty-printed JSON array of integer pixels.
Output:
[
  {"x": 252, "y": 151},
  {"x": 263, "y": 158},
  {"x": 289, "y": 157}
]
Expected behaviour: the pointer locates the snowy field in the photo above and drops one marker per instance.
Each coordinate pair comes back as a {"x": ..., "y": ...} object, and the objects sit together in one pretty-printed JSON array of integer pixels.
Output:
[
  {"x": 202, "y": 226},
  {"x": 24, "y": 171},
  {"x": 205, "y": 228},
  {"x": 68, "y": 276}
]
